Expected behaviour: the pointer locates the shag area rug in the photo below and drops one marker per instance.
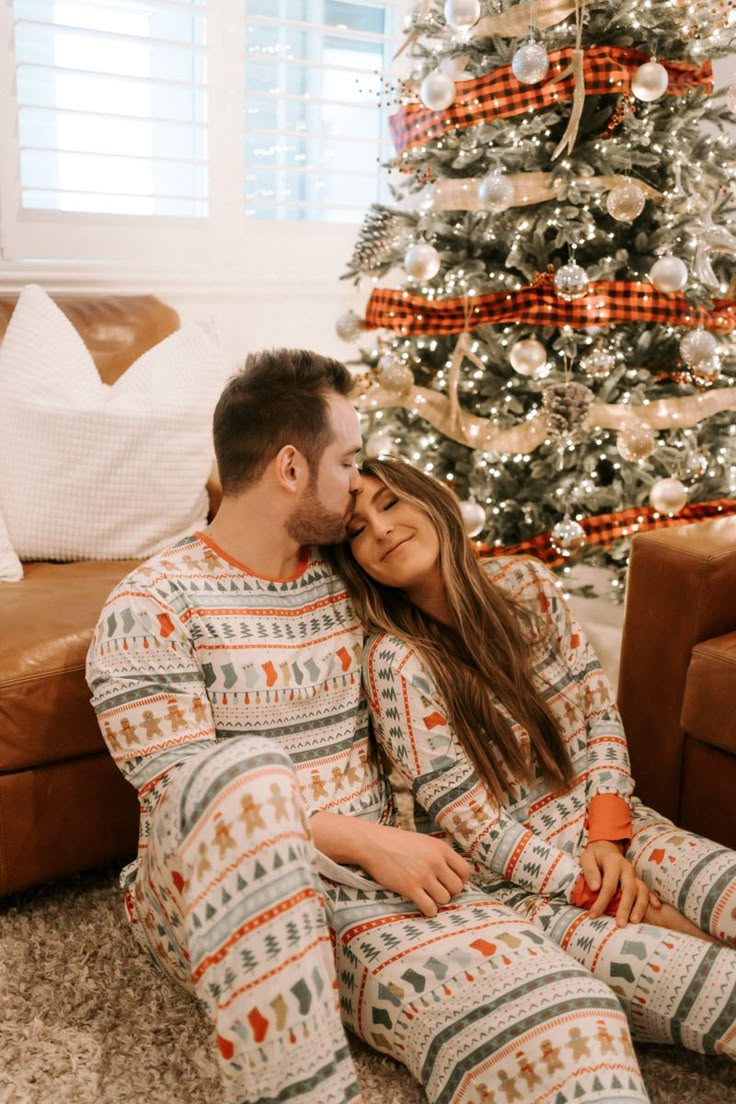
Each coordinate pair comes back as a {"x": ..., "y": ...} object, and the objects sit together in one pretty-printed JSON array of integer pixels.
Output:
[{"x": 86, "y": 1018}]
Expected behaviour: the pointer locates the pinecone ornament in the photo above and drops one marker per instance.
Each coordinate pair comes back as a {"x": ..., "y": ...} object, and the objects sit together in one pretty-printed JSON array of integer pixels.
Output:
[
  {"x": 566, "y": 405},
  {"x": 381, "y": 235}
]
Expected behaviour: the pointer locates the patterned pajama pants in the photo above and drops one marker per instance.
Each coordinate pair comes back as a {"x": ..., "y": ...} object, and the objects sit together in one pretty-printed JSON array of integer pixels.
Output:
[
  {"x": 477, "y": 1002},
  {"x": 675, "y": 988}
]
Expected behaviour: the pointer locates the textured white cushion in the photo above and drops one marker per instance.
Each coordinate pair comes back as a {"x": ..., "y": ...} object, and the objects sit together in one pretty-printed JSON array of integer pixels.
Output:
[
  {"x": 93, "y": 471},
  {"x": 11, "y": 569}
]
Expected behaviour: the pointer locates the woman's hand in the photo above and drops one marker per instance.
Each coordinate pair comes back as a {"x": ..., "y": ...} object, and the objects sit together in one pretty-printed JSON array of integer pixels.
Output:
[
  {"x": 606, "y": 872},
  {"x": 425, "y": 870}
]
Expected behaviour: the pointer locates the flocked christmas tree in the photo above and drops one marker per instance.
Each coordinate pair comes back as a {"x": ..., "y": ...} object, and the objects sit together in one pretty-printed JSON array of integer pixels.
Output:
[{"x": 551, "y": 298}]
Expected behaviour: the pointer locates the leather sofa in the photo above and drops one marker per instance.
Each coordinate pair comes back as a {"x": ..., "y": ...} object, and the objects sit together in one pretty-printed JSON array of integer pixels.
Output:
[
  {"x": 64, "y": 806},
  {"x": 677, "y": 678}
]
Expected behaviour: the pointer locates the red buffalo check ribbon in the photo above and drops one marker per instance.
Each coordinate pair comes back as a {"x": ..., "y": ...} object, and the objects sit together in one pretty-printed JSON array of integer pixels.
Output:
[
  {"x": 607, "y": 302},
  {"x": 607, "y": 70},
  {"x": 603, "y": 529}
]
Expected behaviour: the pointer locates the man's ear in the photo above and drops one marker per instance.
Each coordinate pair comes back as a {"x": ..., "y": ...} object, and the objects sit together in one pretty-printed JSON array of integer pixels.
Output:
[{"x": 291, "y": 468}]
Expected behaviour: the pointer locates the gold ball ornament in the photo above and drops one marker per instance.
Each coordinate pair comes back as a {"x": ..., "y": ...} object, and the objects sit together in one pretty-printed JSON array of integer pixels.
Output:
[
  {"x": 437, "y": 91},
  {"x": 528, "y": 356},
  {"x": 496, "y": 192},
  {"x": 461, "y": 15},
  {"x": 598, "y": 364},
  {"x": 697, "y": 347},
  {"x": 571, "y": 281},
  {"x": 626, "y": 201},
  {"x": 567, "y": 538},
  {"x": 668, "y": 274},
  {"x": 635, "y": 441},
  {"x": 349, "y": 326},
  {"x": 668, "y": 496},
  {"x": 422, "y": 261},
  {"x": 474, "y": 517},
  {"x": 393, "y": 374},
  {"x": 650, "y": 82}
]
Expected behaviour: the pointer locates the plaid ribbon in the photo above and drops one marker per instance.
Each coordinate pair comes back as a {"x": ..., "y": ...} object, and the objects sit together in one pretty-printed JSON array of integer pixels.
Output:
[
  {"x": 608, "y": 70},
  {"x": 603, "y": 529},
  {"x": 607, "y": 302}
]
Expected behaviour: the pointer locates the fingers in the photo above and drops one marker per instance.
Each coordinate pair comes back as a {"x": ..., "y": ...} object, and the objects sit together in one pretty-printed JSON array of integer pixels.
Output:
[
  {"x": 591, "y": 870},
  {"x": 609, "y": 886},
  {"x": 630, "y": 887},
  {"x": 459, "y": 866}
]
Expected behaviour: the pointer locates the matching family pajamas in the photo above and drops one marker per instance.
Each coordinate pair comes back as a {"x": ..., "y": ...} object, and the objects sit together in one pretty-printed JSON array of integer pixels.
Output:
[
  {"x": 233, "y": 704},
  {"x": 674, "y": 987}
]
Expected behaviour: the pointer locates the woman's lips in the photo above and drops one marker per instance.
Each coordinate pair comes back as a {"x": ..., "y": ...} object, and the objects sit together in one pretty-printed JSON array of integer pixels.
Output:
[{"x": 399, "y": 544}]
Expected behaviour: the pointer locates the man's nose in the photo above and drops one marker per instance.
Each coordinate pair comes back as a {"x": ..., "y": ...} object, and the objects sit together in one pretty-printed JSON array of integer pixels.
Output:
[{"x": 356, "y": 482}]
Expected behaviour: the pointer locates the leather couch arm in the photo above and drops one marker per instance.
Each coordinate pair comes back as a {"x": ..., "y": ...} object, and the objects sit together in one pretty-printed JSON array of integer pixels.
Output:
[{"x": 681, "y": 590}]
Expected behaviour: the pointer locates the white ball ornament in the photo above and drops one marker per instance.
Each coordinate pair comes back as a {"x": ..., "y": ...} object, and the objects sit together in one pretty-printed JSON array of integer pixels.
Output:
[
  {"x": 349, "y": 326},
  {"x": 378, "y": 444},
  {"x": 635, "y": 441},
  {"x": 697, "y": 347},
  {"x": 394, "y": 374},
  {"x": 626, "y": 201},
  {"x": 474, "y": 517},
  {"x": 528, "y": 356},
  {"x": 571, "y": 281},
  {"x": 668, "y": 496},
  {"x": 530, "y": 63},
  {"x": 422, "y": 261},
  {"x": 437, "y": 91},
  {"x": 461, "y": 15},
  {"x": 496, "y": 192},
  {"x": 598, "y": 364},
  {"x": 567, "y": 538},
  {"x": 668, "y": 274},
  {"x": 650, "y": 82}
]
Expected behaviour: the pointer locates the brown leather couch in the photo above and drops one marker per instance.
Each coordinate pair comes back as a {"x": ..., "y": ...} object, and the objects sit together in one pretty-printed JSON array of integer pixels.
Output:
[
  {"x": 677, "y": 679},
  {"x": 64, "y": 806}
]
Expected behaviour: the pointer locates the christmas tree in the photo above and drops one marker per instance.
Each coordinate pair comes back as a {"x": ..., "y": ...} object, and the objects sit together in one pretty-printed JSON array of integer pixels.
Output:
[{"x": 551, "y": 305}]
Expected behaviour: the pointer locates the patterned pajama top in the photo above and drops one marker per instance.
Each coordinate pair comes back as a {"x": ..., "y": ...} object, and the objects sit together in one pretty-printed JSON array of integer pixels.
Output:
[{"x": 535, "y": 838}]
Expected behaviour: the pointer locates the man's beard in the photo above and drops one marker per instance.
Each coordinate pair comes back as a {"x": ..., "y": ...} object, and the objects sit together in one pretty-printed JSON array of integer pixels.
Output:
[{"x": 312, "y": 523}]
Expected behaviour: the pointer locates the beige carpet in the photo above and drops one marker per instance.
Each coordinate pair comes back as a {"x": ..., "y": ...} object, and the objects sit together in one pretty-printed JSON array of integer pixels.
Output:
[{"x": 85, "y": 1018}]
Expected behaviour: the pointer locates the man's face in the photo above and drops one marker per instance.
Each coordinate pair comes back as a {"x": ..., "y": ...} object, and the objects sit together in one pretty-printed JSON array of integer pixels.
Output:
[{"x": 322, "y": 513}]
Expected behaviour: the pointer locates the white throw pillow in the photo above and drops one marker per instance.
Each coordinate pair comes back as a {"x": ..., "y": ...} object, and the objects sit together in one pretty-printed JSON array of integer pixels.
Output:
[
  {"x": 11, "y": 569},
  {"x": 90, "y": 470}
]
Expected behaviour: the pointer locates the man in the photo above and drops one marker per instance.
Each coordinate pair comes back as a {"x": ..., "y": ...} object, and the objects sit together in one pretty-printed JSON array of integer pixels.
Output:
[{"x": 226, "y": 676}]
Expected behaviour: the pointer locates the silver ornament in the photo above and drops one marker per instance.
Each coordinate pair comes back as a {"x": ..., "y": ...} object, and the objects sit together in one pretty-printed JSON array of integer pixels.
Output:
[
  {"x": 626, "y": 201},
  {"x": 668, "y": 496},
  {"x": 474, "y": 517},
  {"x": 461, "y": 15},
  {"x": 437, "y": 91},
  {"x": 394, "y": 374},
  {"x": 349, "y": 326},
  {"x": 598, "y": 364},
  {"x": 698, "y": 346},
  {"x": 422, "y": 261},
  {"x": 705, "y": 371},
  {"x": 635, "y": 441},
  {"x": 697, "y": 465},
  {"x": 378, "y": 444},
  {"x": 527, "y": 356},
  {"x": 668, "y": 274},
  {"x": 571, "y": 281},
  {"x": 567, "y": 538},
  {"x": 496, "y": 192},
  {"x": 530, "y": 63},
  {"x": 650, "y": 81}
]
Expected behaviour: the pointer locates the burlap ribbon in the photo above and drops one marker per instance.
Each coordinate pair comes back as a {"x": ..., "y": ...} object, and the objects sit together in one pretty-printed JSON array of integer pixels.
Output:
[{"x": 452, "y": 194}]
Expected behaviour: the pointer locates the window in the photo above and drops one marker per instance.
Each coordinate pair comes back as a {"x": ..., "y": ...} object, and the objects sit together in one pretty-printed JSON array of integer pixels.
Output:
[{"x": 179, "y": 125}]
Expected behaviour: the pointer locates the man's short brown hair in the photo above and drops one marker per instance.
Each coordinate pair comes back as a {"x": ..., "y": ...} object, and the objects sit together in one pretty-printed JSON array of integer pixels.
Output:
[{"x": 278, "y": 398}]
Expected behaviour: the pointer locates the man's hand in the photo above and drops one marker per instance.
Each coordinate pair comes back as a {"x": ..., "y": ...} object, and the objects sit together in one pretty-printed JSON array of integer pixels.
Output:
[
  {"x": 425, "y": 870},
  {"x": 606, "y": 872}
]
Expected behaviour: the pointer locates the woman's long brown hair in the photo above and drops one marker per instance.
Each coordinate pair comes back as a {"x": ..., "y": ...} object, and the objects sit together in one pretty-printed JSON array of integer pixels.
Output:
[{"x": 487, "y": 651}]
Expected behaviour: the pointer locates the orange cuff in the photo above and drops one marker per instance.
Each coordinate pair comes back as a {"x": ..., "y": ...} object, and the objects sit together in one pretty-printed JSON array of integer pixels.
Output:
[{"x": 609, "y": 818}]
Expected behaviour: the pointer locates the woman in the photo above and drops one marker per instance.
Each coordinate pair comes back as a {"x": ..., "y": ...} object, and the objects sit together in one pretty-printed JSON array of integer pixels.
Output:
[{"x": 494, "y": 711}]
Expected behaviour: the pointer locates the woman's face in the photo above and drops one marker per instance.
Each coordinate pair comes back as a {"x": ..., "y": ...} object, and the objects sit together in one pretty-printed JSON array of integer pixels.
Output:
[{"x": 394, "y": 541}]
